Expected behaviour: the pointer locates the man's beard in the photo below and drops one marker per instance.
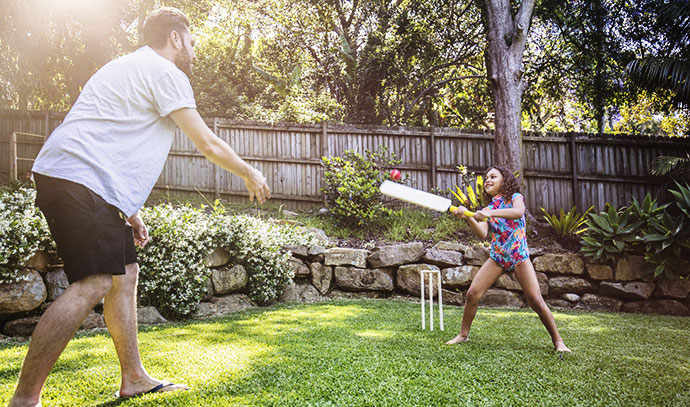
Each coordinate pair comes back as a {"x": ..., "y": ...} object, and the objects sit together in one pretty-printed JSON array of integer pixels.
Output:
[{"x": 184, "y": 62}]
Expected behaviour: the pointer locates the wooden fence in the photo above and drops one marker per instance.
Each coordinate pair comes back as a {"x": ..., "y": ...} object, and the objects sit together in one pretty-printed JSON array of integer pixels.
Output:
[{"x": 561, "y": 169}]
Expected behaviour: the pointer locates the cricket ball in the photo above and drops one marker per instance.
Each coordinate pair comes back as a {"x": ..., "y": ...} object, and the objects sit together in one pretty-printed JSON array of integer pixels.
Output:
[{"x": 395, "y": 175}]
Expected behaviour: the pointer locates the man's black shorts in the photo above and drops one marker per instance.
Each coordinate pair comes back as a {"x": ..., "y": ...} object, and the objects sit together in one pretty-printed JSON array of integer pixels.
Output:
[{"x": 91, "y": 235}]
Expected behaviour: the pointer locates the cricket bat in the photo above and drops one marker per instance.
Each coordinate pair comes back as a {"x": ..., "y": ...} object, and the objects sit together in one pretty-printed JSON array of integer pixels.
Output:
[{"x": 418, "y": 197}]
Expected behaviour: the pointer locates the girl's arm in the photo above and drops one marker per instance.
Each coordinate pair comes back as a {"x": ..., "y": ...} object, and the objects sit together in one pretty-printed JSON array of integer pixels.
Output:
[
  {"x": 516, "y": 212},
  {"x": 481, "y": 229}
]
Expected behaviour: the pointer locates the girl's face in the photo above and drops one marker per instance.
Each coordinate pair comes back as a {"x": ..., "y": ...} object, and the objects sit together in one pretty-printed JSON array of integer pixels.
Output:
[{"x": 494, "y": 182}]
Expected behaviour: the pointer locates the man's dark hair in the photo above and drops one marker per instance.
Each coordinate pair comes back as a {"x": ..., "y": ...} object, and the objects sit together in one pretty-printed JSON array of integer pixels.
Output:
[
  {"x": 160, "y": 23},
  {"x": 509, "y": 187}
]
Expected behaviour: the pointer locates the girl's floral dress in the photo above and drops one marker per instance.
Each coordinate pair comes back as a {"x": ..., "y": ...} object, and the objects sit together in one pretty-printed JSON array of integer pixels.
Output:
[{"x": 508, "y": 238}]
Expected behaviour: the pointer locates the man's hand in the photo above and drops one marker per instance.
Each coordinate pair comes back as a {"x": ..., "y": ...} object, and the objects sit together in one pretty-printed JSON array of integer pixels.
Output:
[
  {"x": 141, "y": 234},
  {"x": 256, "y": 185}
]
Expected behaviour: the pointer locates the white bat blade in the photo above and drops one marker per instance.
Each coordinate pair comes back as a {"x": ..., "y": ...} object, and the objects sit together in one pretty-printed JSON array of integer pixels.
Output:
[{"x": 415, "y": 196}]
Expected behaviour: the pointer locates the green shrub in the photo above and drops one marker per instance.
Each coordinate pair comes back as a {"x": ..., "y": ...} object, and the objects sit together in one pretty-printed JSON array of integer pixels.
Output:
[
  {"x": 667, "y": 237},
  {"x": 173, "y": 275},
  {"x": 23, "y": 231},
  {"x": 352, "y": 186},
  {"x": 567, "y": 224},
  {"x": 608, "y": 233}
]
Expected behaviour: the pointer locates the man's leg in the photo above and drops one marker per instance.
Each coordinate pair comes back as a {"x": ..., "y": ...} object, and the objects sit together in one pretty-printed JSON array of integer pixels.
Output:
[
  {"x": 54, "y": 330},
  {"x": 120, "y": 312}
]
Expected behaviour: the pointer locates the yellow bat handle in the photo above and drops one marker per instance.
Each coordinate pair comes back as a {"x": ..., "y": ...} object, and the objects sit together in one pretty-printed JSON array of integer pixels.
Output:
[{"x": 469, "y": 214}]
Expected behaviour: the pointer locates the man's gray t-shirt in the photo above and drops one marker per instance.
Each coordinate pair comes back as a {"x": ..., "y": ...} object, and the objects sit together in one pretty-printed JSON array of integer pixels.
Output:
[{"x": 116, "y": 137}]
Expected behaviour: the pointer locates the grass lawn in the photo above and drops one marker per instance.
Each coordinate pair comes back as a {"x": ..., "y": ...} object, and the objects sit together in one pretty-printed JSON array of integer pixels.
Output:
[{"x": 373, "y": 353}]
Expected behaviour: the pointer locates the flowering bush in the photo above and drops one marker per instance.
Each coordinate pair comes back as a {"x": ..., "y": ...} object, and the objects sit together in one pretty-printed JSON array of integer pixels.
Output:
[
  {"x": 256, "y": 245},
  {"x": 173, "y": 275},
  {"x": 23, "y": 231}
]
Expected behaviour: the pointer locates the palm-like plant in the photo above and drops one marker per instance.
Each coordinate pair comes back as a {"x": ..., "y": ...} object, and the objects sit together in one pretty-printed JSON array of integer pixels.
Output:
[{"x": 668, "y": 72}]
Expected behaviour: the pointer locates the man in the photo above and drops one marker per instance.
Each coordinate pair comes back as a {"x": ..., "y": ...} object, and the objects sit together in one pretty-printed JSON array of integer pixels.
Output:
[{"x": 95, "y": 171}]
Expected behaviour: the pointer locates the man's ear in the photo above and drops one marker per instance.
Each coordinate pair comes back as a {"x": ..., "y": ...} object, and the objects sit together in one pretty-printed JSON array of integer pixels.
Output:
[{"x": 175, "y": 39}]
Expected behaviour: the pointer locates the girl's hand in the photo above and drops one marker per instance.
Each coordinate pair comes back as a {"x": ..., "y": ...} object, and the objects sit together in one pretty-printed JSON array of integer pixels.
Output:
[
  {"x": 482, "y": 215},
  {"x": 460, "y": 212}
]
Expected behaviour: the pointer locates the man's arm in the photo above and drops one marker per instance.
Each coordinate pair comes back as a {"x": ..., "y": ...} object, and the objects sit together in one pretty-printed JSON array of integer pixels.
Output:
[{"x": 220, "y": 153}]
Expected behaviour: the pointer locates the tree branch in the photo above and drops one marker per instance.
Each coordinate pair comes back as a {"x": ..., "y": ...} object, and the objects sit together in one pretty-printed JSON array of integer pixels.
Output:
[{"x": 439, "y": 83}]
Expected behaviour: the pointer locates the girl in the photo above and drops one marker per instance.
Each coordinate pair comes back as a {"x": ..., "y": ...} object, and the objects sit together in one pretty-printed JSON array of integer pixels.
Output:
[{"x": 506, "y": 222}]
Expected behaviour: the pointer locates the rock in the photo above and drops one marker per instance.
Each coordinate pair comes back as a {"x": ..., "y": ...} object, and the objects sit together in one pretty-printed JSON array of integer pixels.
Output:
[
  {"x": 510, "y": 282},
  {"x": 444, "y": 245},
  {"x": 302, "y": 292},
  {"x": 599, "y": 271},
  {"x": 595, "y": 302},
  {"x": 394, "y": 255},
  {"x": 443, "y": 258},
  {"x": 558, "y": 303},
  {"x": 476, "y": 255},
  {"x": 629, "y": 291},
  {"x": 452, "y": 297},
  {"x": 219, "y": 257},
  {"x": 56, "y": 283},
  {"x": 229, "y": 280},
  {"x": 632, "y": 268},
  {"x": 354, "y": 279},
  {"x": 674, "y": 289},
  {"x": 301, "y": 252},
  {"x": 337, "y": 294},
  {"x": 220, "y": 306},
  {"x": 299, "y": 268},
  {"x": 149, "y": 316},
  {"x": 208, "y": 292},
  {"x": 665, "y": 307},
  {"x": 338, "y": 256},
  {"x": 562, "y": 285},
  {"x": 323, "y": 211},
  {"x": 26, "y": 295},
  {"x": 570, "y": 297},
  {"x": 39, "y": 261},
  {"x": 502, "y": 298},
  {"x": 321, "y": 277},
  {"x": 316, "y": 253},
  {"x": 456, "y": 277},
  {"x": 320, "y": 235},
  {"x": 21, "y": 327},
  {"x": 536, "y": 252},
  {"x": 560, "y": 264},
  {"x": 408, "y": 278},
  {"x": 92, "y": 321}
]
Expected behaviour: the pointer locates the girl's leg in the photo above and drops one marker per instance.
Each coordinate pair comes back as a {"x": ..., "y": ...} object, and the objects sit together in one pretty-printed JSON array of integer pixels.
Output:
[
  {"x": 527, "y": 278},
  {"x": 485, "y": 278}
]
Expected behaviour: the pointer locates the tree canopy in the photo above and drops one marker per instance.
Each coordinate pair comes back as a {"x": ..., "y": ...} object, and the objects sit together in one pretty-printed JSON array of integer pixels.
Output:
[{"x": 396, "y": 62}]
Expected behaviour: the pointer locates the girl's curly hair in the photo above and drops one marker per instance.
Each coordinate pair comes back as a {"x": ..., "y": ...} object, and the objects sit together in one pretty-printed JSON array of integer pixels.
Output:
[{"x": 509, "y": 187}]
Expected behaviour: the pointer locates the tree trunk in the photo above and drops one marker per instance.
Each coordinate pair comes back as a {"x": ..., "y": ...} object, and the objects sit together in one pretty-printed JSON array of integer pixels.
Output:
[{"x": 506, "y": 35}]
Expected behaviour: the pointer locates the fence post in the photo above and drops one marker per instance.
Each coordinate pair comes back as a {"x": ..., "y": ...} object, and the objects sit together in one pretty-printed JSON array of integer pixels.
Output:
[
  {"x": 432, "y": 157},
  {"x": 13, "y": 156},
  {"x": 216, "y": 173},
  {"x": 324, "y": 151},
  {"x": 46, "y": 126},
  {"x": 573, "y": 159}
]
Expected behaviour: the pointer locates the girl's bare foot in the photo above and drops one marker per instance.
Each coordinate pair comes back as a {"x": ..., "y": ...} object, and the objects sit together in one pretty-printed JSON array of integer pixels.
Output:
[
  {"x": 560, "y": 347},
  {"x": 458, "y": 339}
]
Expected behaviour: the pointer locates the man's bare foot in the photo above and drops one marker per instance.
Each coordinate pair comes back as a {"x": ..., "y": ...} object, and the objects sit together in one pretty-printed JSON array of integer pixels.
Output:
[
  {"x": 560, "y": 347},
  {"x": 458, "y": 339},
  {"x": 147, "y": 387}
]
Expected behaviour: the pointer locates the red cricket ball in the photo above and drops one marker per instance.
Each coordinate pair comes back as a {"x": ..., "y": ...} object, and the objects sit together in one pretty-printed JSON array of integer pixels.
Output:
[{"x": 395, "y": 175}]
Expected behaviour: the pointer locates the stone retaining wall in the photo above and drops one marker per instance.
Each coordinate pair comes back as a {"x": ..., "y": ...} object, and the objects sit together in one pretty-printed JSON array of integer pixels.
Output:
[{"x": 567, "y": 281}]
